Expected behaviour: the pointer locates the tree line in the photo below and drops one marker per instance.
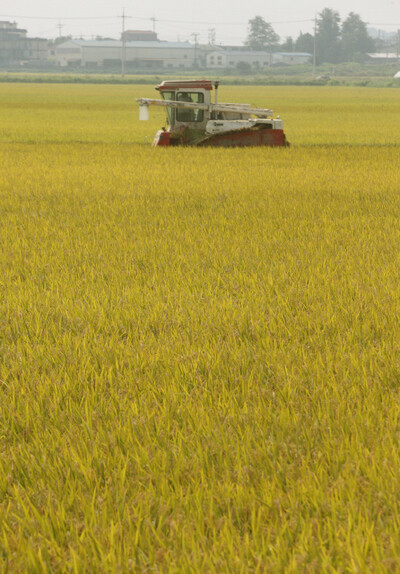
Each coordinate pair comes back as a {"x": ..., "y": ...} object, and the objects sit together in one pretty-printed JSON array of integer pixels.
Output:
[{"x": 334, "y": 41}]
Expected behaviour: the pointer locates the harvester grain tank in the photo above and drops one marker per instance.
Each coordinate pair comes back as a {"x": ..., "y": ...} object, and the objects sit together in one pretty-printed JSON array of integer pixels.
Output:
[{"x": 194, "y": 120}]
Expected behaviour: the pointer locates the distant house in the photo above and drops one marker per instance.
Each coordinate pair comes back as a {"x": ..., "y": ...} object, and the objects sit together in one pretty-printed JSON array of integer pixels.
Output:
[
  {"x": 138, "y": 54},
  {"x": 225, "y": 59},
  {"x": 13, "y": 44},
  {"x": 38, "y": 49},
  {"x": 16, "y": 48},
  {"x": 292, "y": 58},
  {"x": 380, "y": 57}
]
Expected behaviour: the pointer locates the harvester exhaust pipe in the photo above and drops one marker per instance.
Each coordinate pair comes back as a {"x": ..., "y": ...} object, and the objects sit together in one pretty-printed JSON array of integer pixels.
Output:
[{"x": 216, "y": 84}]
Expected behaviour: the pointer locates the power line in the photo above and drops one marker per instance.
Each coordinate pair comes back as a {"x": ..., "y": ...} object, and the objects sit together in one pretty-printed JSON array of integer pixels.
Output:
[
  {"x": 152, "y": 19},
  {"x": 217, "y": 23},
  {"x": 168, "y": 21},
  {"x": 58, "y": 17}
]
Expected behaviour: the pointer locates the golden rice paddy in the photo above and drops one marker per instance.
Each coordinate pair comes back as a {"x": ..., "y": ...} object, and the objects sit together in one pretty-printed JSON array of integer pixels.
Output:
[{"x": 199, "y": 348}]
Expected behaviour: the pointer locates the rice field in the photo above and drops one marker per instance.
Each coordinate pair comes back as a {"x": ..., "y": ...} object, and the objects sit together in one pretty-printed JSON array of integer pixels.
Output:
[{"x": 199, "y": 349}]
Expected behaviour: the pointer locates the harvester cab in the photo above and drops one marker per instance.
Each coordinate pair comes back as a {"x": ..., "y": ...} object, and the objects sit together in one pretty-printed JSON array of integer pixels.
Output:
[
  {"x": 194, "y": 120},
  {"x": 187, "y": 92}
]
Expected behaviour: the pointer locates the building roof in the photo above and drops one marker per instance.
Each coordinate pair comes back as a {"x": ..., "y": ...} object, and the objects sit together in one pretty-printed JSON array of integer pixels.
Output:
[
  {"x": 305, "y": 54},
  {"x": 127, "y": 44},
  {"x": 256, "y": 54},
  {"x": 140, "y": 32},
  {"x": 246, "y": 53}
]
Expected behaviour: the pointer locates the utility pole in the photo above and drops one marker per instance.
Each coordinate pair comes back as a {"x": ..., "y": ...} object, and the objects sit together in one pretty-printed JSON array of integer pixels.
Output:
[
  {"x": 211, "y": 36},
  {"x": 60, "y": 27},
  {"x": 315, "y": 45},
  {"x": 195, "y": 36},
  {"x": 123, "y": 55},
  {"x": 154, "y": 20},
  {"x": 398, "y": 44}
]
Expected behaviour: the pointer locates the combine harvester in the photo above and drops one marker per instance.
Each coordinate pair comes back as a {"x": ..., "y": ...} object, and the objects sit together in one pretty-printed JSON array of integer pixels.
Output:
[{"x": 194, "y": 120}]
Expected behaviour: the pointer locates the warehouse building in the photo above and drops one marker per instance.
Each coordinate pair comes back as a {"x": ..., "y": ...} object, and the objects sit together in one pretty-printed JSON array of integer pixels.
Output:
[{"x": 143, "y": 54}]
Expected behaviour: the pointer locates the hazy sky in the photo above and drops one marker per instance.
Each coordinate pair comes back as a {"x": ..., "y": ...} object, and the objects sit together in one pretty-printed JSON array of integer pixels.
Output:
[{"x": 178, "y": 19}]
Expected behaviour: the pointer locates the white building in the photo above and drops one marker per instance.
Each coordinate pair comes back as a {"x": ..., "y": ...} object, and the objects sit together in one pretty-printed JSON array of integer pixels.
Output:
[
  {"x": 225, "y": 59},
  {"x": 380, "y": 57},
  {"x": 292, "y": 58},
  {"x": 138, "y": 54}
]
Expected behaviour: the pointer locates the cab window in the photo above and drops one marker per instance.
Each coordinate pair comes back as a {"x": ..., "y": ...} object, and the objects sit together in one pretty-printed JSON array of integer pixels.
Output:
[
  {"x": 170, "y": 111},
  {"x": 186, "y": 115}
]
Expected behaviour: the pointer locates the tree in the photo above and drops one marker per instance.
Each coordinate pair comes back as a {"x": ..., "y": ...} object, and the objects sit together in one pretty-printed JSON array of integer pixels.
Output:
[
  {"x": 243, "y": 67},
  {"x": 356, "y": 42},
  {"x": 305, "y": 43},
  {"x": 261, "y": 35},
  {"x": 288, "y": 45},
  {"x": 328, "y": 36},
  {"x": 59, "y": 40}
]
